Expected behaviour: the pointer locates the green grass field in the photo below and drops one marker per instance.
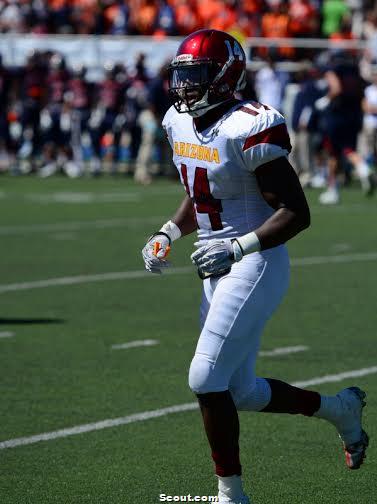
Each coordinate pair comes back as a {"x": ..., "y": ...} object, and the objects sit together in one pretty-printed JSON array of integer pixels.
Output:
[{"x": 58, "y": 370}]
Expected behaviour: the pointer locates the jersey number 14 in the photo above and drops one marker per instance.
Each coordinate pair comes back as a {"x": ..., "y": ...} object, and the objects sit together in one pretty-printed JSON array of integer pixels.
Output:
[{"x": 203, "y": 199}]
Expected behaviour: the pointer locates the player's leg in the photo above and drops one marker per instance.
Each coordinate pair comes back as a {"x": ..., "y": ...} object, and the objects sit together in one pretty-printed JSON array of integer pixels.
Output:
[
  {"x": 222, "y": 436},
  {"x": 238, "y": 303},
  {"x": 251, "y": 393},
  {"x": 331, "y": 195},
  {"x": 343, "y": 410},
  {"x": 362, "y": 169}
]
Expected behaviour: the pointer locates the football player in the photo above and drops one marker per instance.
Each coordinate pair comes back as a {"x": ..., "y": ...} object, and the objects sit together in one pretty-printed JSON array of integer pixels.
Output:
[{"x": 245, "y": 201}]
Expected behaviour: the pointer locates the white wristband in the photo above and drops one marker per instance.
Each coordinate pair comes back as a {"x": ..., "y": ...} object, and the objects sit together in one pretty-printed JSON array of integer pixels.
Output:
[
  {"x": 249, "y": 243},
  {"x": 172, "y": 230}
]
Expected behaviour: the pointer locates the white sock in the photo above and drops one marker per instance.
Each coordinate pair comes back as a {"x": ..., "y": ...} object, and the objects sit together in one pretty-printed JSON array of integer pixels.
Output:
[
  {"x": 257, "y": 399},
  {"x": 329, "y": 409},
  {"x": 363, "y": 170},
  {"x": 231, "y": 487}
]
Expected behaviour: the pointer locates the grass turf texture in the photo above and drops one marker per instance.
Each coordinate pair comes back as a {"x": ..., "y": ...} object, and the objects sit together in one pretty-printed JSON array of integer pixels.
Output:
[{"x": 59, "y": 370}]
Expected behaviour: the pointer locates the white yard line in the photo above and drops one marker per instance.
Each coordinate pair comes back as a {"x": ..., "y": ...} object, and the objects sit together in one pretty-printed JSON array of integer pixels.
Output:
[
  {"x": 357, "y": 373},
  {"x": 147, "y": 415},
  {"x": 334, "y": 259},
  {"x": 64, "y": 236},
  {"x": 94, "y": 196},
  {"x": 264, "y": 353},
  {"x": 283, "y": 351},
  {"x": 135, "y": 344},
  {"x": 82, "y": 279},
  {"x": 83, "y": 198},
  {"x": 349, "y": 207},
  {"x": 129, "y": 275},
  {"x": 6, "y": 334},
  {"x": 79, "y": 225},
  {"x": 340, "y": 248}
]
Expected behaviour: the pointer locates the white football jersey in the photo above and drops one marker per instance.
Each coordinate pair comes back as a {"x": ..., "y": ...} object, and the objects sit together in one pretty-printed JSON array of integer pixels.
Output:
[{"x": 217, "y": 165}]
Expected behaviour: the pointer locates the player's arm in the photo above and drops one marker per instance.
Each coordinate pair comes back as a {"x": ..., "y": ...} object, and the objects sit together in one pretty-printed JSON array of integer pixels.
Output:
[
  {"x": 158, "y": 245},
  {"x": 185, "y": 218},
  {"x": 281, "y": 189}
]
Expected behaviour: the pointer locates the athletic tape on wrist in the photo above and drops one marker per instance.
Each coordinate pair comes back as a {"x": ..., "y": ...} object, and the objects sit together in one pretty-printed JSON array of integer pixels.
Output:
[
  {"x": 249, "y": 243},
  {"x": 172, "y": 230}
]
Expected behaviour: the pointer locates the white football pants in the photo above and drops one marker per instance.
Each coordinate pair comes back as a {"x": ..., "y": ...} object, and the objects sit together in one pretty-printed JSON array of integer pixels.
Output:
[{"x": 233, "y": 313}]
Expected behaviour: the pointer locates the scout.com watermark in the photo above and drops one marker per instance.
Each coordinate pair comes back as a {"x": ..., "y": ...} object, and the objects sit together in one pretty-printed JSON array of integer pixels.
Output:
[{"x": 188, "y": 498}]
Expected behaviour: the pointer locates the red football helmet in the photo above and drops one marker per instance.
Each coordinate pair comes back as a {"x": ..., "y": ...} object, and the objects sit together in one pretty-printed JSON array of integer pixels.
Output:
[{"x": 208, "y": 69}]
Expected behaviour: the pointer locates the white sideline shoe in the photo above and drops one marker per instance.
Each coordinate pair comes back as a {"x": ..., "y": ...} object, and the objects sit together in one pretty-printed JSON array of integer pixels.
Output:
[
  {"x": 318, "y": 181},
  {"x": 349, "y": 426},
  {"x": 73, "y": 169},
  {"x": 223, "y": 499},
  {"x": 368, "y": 184},
  {"x": 329, "y": 197},
  {"x": 48, "y": 169}
]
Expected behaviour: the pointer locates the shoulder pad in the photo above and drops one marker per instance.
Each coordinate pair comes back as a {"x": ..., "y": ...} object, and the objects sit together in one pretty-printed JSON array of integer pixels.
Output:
[
  {"x": 169, "y": 117},
  {"x": 263, "y": 136},
  {"x": 265, "y": 125}
]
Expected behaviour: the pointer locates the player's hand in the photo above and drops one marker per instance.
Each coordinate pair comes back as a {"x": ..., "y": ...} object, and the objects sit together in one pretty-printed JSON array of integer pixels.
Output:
[
  {"x": 155, "y": 252},
  {"x": 216, "y": 257}
]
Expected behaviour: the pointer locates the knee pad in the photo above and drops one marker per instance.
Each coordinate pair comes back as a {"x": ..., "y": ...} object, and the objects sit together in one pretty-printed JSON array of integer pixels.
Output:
[
  {"x": 256, "y": 400},
  {"x": 204, "y": 378}
]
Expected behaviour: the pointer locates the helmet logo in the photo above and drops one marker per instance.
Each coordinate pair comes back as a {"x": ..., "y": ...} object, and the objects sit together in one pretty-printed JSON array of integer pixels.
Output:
[
  {"x": 183, "y": 57},
  {"x": 235, "y": 50}
]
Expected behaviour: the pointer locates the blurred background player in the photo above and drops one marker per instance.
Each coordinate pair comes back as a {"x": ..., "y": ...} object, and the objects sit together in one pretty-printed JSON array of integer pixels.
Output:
[
  {"x": 370, "y": 118},
  {"x": 304, "y": 133},
  {"x": 340, "y": 119},
  {"x": 55, "y": 119},
  {"x": 108, "y": 100}
]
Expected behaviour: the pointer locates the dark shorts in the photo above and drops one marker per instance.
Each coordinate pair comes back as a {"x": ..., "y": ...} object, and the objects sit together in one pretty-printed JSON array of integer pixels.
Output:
[
  {"x": 340, "y": 132},
  {"x": 339, "y": 145}
]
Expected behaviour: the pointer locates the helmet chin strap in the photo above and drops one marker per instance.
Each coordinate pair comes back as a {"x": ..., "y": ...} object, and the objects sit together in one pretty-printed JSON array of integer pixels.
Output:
[{"x": 203, "y": 110}]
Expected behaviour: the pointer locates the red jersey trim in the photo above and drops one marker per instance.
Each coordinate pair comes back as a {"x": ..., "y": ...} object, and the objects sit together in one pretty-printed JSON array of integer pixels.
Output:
[
  {"x": 248, "y": 111},
  {"x": 276, "y": 135}
]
